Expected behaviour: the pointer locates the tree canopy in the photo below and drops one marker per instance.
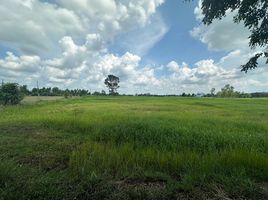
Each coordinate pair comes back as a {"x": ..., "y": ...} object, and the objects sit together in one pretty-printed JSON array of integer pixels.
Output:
[
  {"x": 228, "y": 91},
  {"x": 10, "y": 94},
  {"x": 112, "y": 82},
  {"x": 254, "y": 15}
]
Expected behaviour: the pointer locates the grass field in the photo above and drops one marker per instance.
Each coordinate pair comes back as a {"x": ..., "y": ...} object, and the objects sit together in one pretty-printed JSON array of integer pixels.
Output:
[
  {"x": 135, "y": 148},
  {"x": 35, "y": 99}
]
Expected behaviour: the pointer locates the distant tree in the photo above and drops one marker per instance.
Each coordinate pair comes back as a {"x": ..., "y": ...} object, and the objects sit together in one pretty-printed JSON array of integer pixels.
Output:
[
  {"x": 103, "y": 93},
  {"x": 45, "y": 92},
  {"x": 228, "y": 91},
  {"x": 10, "y": 94},
  {"x": 56, "y": 91},
  {"x": 96, "y": 93},
  {"x": 259, "y": 94},
  {"x": 112, "y": 82},
  {"x": 24, "y": 90},
  {"x": 35, "y": 92},
  {"x": 212, "y": 92},
  {"x": 253, "y": 13},
  {"x": 244, "y": 95},
  {"x": 82, "y": 92},
  {"x": 67, "y": 94}
]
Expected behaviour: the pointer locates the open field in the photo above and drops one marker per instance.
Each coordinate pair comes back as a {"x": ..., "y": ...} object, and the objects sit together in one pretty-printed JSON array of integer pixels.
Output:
[
  {"x": 135, "y": 148},
  {"x": 35, "y": 99}
]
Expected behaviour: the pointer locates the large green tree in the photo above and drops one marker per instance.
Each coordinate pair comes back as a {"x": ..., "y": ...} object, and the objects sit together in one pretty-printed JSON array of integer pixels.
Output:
[
  {"x": 112, "y": 82},
  {"x": 254, "y": 15},
  {"x": 10, "y": 94}
]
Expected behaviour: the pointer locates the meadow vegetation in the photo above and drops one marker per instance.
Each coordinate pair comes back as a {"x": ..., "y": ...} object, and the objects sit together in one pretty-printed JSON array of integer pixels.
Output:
[{"x": 135, "y": 148}]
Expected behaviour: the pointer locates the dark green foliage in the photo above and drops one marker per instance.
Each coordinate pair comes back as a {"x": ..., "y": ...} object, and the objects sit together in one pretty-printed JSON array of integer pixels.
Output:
[
  {"x": 10, "y": 94},
  {"x": 228, "y": 92},
  {"x": 259, "y": 94},
  {"x": 212, "y": 92},
  {"x": 112, "y": 82},
  {"x": 253, "y": 62},
  {"x": 55, "y": 91},
  {"x": 24, "y": 90},
  {"x": 253, "y": 13},
  {"x": 103, "y": 93}
]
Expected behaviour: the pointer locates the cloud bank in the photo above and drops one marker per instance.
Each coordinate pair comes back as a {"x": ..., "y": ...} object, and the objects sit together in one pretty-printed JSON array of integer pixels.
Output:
[{"x": 65, "y": 43}]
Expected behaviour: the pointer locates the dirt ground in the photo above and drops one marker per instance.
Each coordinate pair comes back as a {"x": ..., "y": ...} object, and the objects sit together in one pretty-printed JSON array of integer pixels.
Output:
[{"x": 33, "y": 99}]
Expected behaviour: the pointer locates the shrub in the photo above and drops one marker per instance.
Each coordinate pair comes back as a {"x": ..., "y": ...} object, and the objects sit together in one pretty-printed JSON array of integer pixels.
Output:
[{"x": 10, "y": 94}]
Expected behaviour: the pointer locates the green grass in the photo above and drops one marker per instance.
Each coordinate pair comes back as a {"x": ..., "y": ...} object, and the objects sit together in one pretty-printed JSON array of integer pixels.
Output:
[{"x": 135, "y": 148}]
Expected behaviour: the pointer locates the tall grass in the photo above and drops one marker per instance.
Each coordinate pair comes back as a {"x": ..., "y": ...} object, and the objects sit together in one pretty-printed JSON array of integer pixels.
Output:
[
  {"x": 123, "y": 161},
  {"x": 194, "y": 142}
]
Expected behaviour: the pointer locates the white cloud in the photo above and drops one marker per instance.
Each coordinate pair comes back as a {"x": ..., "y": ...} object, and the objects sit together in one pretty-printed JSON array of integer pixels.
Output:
[
  {"x": 78, "y": 65},
  {"x": 76, "y": 33},
  {"x": 206, "y": 74},
  {"x": 90, "y": 73},
  {"x": 20, "y": 64},
  {"x": 35, "y": 27},
  {"x": 173, "y": 66},
  {"x": 141, "y": 39},
  {"x": 71, "y": 38},
  {"x": 226, "y": 36},
  {"x": 222, "y": 34}
]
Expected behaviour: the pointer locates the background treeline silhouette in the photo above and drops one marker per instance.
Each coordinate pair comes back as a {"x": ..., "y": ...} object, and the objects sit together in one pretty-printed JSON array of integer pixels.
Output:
[
  {"x": 225, "y": 92},
  {"x": 53, "y": 91},
  {"x": 13, "y": 93}
]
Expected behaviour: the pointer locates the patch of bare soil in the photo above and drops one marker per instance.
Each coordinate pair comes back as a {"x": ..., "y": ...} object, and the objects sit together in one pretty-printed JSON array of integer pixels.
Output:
[
  {"x": 46, "y": 162},
  {"x": 263, "y": 188},
  {"x": 219, "y": 193},
  {"x": 141, "y": 184}
]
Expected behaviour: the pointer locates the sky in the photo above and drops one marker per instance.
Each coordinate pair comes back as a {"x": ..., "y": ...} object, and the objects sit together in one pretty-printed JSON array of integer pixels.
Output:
[{"x": 153, "y": 46}]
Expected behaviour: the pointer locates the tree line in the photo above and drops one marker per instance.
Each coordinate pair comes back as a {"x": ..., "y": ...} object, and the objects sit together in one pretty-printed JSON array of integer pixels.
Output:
[
  {"x": 228, "y": 91},
  {"x": 52, "y": 91},
  {"x": 13, "y": 93}
]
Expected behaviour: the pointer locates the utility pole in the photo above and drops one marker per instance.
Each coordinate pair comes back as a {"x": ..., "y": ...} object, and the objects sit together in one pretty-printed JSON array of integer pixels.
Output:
[{"x": 37, "y": 88}]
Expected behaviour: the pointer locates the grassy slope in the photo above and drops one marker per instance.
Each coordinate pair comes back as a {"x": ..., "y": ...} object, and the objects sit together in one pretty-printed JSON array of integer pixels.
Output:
[{"x": 134, "y": 148}]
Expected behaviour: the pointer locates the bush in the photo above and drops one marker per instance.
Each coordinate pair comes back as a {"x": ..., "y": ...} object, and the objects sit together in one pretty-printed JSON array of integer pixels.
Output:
[{"x": 10, "y": 94}]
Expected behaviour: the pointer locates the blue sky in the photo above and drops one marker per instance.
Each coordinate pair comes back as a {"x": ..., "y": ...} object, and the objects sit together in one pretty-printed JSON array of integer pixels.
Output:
[
  {"x": 156, "y": 46},
  {"x": 178, "y": 44}
]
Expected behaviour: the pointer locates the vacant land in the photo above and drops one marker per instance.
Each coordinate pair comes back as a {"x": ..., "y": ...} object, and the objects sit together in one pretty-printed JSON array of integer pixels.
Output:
[
  {"x": 35, "y": 99},
  {"x": 135, "y": 148}
]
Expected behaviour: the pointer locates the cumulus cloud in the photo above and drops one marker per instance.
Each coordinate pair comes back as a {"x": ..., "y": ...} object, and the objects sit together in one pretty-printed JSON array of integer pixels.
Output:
[
  {"x": 173, "y": 66},
  {"x": 20, "y": 64},
  {"x": 71, "y": 37},
  {"x": 35, "y": 26},
  {"x": 32, "y": 26},
  {"x": 141, "y": 39},
  {"x": 221, "y": 35},
  {"x": 65, "y": 43},
  {"x": 207, "y": 73},
  {"x": 226, "y": 36},
  {"x": 90, "y": 73},
  {"x": 78, "y": 66}
]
